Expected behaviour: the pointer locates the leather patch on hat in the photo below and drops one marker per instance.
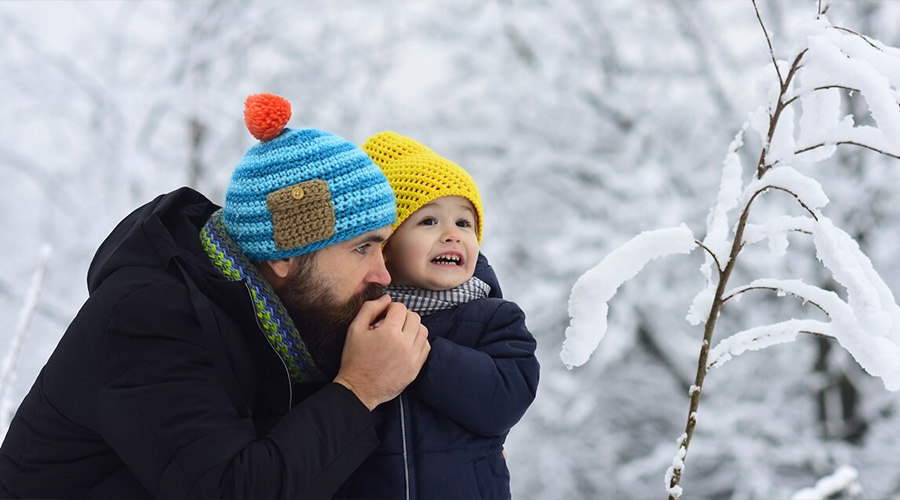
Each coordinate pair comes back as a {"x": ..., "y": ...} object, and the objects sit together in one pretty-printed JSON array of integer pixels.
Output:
[{"x": 301, "y": 214}]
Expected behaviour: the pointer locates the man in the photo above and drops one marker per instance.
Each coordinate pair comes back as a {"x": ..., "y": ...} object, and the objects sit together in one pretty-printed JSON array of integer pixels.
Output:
[{"x": 228, "y": 353}]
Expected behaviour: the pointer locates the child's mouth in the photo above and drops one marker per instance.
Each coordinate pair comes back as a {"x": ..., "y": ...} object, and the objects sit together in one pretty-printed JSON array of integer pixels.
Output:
[{"x": 447, "y": 260}]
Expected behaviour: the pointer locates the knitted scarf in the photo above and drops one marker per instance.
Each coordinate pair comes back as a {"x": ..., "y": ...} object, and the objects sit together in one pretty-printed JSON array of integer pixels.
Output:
[
  {"x": 271, "y": 314},
  {"x": 425, "y": 302}
]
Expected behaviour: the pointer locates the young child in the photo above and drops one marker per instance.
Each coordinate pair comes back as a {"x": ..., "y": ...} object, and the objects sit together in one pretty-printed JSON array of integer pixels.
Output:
[{"x": 443, "y": 437}]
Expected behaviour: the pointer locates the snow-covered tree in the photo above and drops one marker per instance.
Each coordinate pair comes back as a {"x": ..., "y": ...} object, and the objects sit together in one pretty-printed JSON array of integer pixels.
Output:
[
  {"x": 829, "y": 61},
  {"x": 583, "y": 123}
]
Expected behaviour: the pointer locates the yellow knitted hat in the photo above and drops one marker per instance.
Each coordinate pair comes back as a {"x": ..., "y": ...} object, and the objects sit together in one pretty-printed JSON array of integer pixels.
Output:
[{"x": 418, "y": 175}]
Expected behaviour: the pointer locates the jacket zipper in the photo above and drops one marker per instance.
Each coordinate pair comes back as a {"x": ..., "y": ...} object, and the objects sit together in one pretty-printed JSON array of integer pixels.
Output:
[
  {"x": 409, "y": 468},
  {"x": 262, "y": 330}
]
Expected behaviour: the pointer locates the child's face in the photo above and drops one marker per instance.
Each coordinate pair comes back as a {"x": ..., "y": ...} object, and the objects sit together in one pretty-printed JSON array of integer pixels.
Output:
[{"x": 436, "y": 247}]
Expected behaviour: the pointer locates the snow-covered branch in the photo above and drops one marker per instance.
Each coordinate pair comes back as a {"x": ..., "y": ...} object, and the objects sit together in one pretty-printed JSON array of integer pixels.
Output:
[
  {"x": 841, "y": 59},
  {"x": 11, "y": 360},
  {"x": 769, "y": 42},
  {"x": 775, "y": 230},
  {"x": 588, "y": 302},
  {"x": 800, "y": 121},
  {"x": 843, "y": 480},
  {"x": 809, "y": 192},
  {"x": 869, "y": 326},
  {"x": 755, "y": 339},
  {"x": 782, "y": 287}
]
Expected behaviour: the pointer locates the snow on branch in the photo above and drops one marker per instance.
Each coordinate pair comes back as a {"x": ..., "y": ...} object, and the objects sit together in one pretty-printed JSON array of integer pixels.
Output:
[
  {"x": 801, "y": 120},
  {"x": 845, "y": 479},
  {"x": 717, "y": 241},
  {"x": 842, "y": 59},
  {"x": 758, "y": 338},
  {"x": 730, "y": 188},
  {"x": 775, "y": 230},
  {"x": 826, "y": 300},
  {"x": 869, "y": 328},
  {"x": 808, "y": 191},
  {"x": 867, "y": 324},
  {"x": 13, "y": 354},
  {"x": 588, "y": 301}
]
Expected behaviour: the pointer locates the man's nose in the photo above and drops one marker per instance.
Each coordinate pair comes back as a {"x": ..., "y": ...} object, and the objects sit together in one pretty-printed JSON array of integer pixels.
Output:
[{"x": 379, "y": 273}]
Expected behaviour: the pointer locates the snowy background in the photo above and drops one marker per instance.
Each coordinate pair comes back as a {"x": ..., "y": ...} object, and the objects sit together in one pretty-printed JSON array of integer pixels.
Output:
[{"x": 583, "y": 122}]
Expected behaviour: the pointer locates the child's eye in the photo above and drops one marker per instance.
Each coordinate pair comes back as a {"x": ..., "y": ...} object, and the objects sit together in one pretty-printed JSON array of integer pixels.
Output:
[
  {"x": 463, "y": 223},
  {"x": 428, "y": 221}
]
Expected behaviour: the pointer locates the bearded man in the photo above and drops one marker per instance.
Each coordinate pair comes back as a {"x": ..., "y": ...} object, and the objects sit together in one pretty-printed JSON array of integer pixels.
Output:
[{"x": 231, "y": 352}]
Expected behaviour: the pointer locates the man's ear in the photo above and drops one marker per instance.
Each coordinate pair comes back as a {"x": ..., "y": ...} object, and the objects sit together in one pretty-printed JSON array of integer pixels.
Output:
[{"x": 279, "y": 268}]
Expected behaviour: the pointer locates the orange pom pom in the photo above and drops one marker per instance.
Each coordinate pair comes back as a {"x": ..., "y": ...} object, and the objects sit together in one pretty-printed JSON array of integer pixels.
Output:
[{"x": 266, "y": 115}]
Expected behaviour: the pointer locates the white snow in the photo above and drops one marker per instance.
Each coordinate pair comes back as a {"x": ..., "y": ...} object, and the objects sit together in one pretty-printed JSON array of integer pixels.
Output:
[
  {"x": 588, "y": 301},
  {"x": 730, "y": 189},
  {"x": 821, "y": 115},
  {"x": 843, "y": 479},
  {"x": 701, "y": 304},
  {"x": 754, "y": 339},
  {"x": 775, "y": 230},
  {"x": 867, "y": 324},
  {"x": 783, "y": 145},
  {"x": 836, "y": 58},
  {"x": 869, "y": 328},
  {"x": 717, "y": 227},
  {"x": 807, "y": 190},
  {"x": 677, "y": 465}
]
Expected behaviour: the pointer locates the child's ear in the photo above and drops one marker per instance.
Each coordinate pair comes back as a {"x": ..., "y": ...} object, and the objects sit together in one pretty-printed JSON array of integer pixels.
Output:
[{"x": 386, "y": 250}]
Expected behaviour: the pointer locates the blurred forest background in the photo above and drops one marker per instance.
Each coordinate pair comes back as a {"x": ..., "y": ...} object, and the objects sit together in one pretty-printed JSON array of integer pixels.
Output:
[{"x": 584, "y": 122}]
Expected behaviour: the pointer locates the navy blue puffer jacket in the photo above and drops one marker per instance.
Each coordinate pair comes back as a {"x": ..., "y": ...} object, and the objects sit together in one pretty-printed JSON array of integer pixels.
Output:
[
  {"x": 443, "y": 437},
  {"x": 164, "y": 386}
]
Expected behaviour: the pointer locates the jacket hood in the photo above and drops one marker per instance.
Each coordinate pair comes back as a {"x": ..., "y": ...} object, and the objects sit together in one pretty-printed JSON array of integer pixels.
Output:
[
  {"x": 485, "y": 272},
  {"x": 153, "y": 234}
]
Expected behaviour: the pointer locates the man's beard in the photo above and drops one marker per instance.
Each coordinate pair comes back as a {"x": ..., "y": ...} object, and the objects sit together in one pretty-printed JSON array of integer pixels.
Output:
[{"x": 321, "y": 320}]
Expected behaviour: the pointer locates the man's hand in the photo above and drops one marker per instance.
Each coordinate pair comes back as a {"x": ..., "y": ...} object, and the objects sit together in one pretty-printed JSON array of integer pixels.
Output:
[{"x": 385, "y": 349}]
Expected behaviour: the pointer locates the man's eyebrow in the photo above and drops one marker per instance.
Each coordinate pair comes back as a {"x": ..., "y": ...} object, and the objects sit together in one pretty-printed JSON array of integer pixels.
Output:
[{"x": 372, "y": 238}]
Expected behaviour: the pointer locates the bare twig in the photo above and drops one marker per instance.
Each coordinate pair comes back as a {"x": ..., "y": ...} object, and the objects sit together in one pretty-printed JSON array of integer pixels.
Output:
[
  {"x": 866, "y": 39},
  {"x": 762, "y": 166},
  {"x": 817, "y": 334},
  {"x": 711, "y": 254},
  {"x": 788, "y": 191},
  {"x": 774, "y": 289},
  {"x": 848, "y": 89},
  {"x": 849, "y": 143},
  {"x": 768, "y": 41}
]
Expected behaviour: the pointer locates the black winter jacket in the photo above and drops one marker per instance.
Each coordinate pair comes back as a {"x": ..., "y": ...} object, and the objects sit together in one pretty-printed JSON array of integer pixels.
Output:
[
  {"x": 165, "y": 386},
  {"x": 443, "y": 436}
]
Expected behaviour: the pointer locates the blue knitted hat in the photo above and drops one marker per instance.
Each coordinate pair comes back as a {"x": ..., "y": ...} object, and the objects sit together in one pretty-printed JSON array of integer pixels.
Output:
[{"x": 297, "y": 191}]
